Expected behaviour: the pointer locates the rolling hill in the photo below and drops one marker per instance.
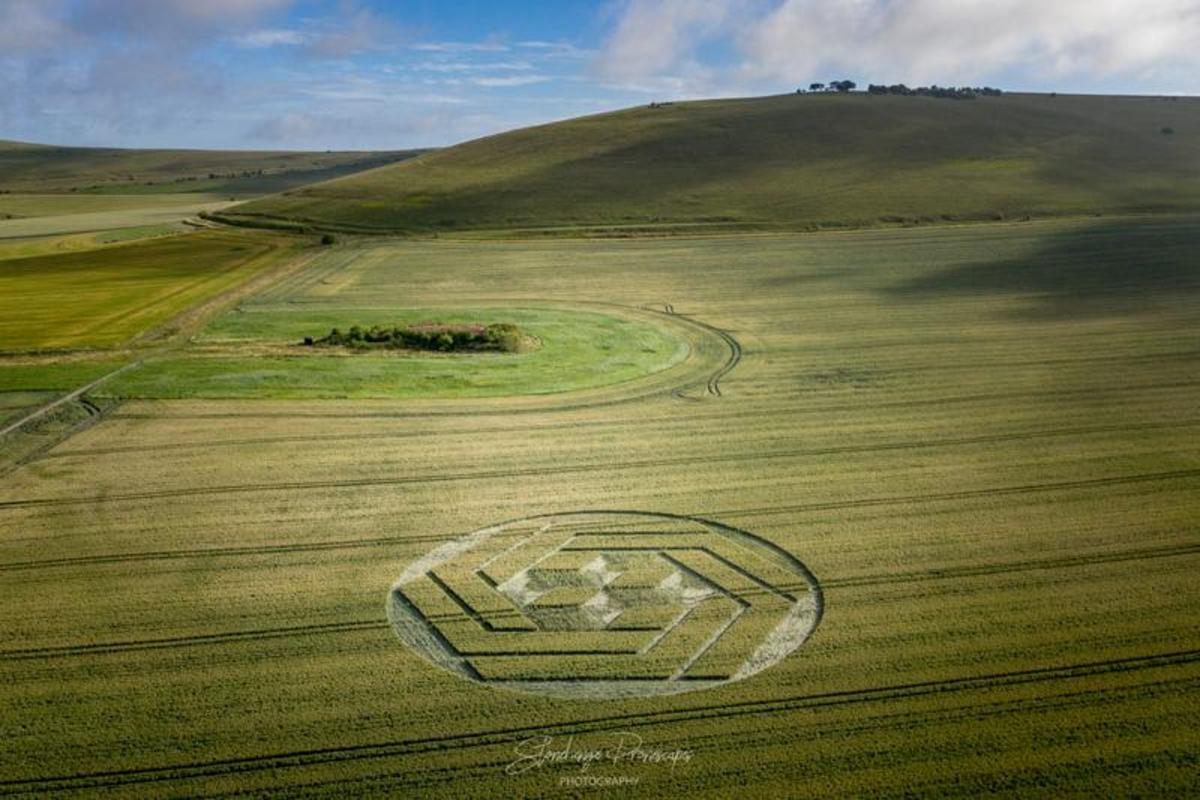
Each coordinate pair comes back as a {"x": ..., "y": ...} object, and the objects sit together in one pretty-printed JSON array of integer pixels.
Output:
[
  {"x": 790, "y": 161},
  {"x": 102, "y": 170}
]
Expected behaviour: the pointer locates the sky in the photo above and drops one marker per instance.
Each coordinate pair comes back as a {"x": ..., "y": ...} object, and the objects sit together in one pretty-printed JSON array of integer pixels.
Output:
[{"x": 366, "y": 74}]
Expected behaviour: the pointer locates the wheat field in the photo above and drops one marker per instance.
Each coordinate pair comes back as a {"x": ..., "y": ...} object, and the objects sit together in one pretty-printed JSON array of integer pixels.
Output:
[{"x": 981, "y": 441}]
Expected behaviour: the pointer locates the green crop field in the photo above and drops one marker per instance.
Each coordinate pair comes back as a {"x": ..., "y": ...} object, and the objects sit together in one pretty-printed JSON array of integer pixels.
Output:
[
  {"x": 967, "y": 453},
  {"x": 102, "y": 297}
]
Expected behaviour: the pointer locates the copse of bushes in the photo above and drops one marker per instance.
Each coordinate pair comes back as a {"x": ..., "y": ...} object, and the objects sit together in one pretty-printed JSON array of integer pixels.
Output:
[
  {"x": 501, "y": 336},
  {"x": 843, "y": 86},
  {"x": 949, "y": 92}
]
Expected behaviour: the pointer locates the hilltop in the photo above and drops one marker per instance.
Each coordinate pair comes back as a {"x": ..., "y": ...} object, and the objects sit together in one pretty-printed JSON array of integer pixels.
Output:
[
  {"x": 790, "y": 161},
  {"x": 41, "y": 168}
]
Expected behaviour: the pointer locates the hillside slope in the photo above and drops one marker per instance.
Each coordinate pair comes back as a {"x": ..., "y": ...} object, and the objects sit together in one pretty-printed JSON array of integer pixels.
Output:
[
  {"x": 784, "y": 161},
  {"x": 46, "y": 168}
]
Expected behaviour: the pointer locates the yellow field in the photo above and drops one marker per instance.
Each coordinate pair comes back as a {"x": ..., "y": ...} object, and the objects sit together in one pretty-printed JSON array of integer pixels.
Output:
[{"x": 984, "y": 452}]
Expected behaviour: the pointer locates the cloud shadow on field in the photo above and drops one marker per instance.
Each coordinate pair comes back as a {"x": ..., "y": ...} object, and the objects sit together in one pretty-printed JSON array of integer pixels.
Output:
[{"x": 1101, "y": 269}]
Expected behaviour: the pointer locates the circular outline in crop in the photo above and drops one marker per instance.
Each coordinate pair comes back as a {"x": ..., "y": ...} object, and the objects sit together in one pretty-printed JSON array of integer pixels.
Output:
[{"x": 538, "y": 604}]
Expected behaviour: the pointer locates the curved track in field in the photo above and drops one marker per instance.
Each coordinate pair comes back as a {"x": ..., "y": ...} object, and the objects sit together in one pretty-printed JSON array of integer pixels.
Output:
[{"x": 713, "y": 385}]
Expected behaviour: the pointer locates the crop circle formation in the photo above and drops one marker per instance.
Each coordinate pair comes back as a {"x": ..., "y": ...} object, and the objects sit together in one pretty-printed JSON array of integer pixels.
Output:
[{"x": 605, "y": 604}]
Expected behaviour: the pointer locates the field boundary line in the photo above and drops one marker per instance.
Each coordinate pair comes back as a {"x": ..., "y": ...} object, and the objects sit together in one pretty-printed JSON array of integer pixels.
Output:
[
  {"x": 179, "y": 328},
  {"x": 73, "y": 395}
]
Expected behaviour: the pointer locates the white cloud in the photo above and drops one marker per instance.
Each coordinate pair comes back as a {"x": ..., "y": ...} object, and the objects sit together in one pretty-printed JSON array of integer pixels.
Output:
[
  {"x": 669, "y": 44},
  {"x": 461, "y": 47},
  {"x": 553, "y": 49},
  {"x": 29, "y": 25},
  {"x": 270, "y": 38},
  {"x": 514, "y": 80},
  {"x": 122, "y": 67},
  {"x": 381, "y": 129},
  {"x": 930, "y": 40},
  {"x": 353, "y": 31},
  {"x": 653, "y": 37},
  {"x": 208, "y": 8},
  {"x": 352, "y": 88},
  {"x": 180, "y": 20},
  {"x": 471, "y": 66}
]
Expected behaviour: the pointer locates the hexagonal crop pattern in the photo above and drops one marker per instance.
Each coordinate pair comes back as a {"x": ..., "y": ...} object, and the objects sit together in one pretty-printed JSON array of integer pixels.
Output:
[{"x": 606, "y": 604}]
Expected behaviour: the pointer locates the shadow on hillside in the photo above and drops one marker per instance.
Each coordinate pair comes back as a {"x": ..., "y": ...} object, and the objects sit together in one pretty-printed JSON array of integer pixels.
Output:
[{"x": 1101, "y": 269}]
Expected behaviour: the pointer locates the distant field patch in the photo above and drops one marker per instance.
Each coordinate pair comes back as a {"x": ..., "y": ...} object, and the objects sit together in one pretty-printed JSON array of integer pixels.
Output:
[
  {"x": 49, "y": 205},
  {"x": 79, "y": 170},
  {"x": 103, "y": 297},
  {"x": 68, "y": 222},
  {"x": 72, "y": 242}
]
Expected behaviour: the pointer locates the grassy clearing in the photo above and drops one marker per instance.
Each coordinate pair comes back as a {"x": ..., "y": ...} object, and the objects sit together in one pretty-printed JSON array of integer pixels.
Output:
[
  {"x": 101, "y": 298},
  {"x": 578, "y": 350},
  {"x": 981, "y": 441},
  {"x": 781, "y": 162}
]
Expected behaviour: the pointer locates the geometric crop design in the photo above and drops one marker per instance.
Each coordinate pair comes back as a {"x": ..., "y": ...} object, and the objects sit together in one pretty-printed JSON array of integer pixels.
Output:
[{"x": 605, "y": 604}]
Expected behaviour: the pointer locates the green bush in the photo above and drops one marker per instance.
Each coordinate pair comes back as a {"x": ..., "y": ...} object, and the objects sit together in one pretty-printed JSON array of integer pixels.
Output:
[
  {"x": 502, "y": 336},
  {"x": 505, "y": 336}
]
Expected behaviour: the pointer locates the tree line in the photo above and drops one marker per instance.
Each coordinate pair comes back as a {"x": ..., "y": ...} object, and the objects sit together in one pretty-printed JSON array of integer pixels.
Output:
[
  {"x": 951, "y": 92},
  {"x": 832, "y": 86}
]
